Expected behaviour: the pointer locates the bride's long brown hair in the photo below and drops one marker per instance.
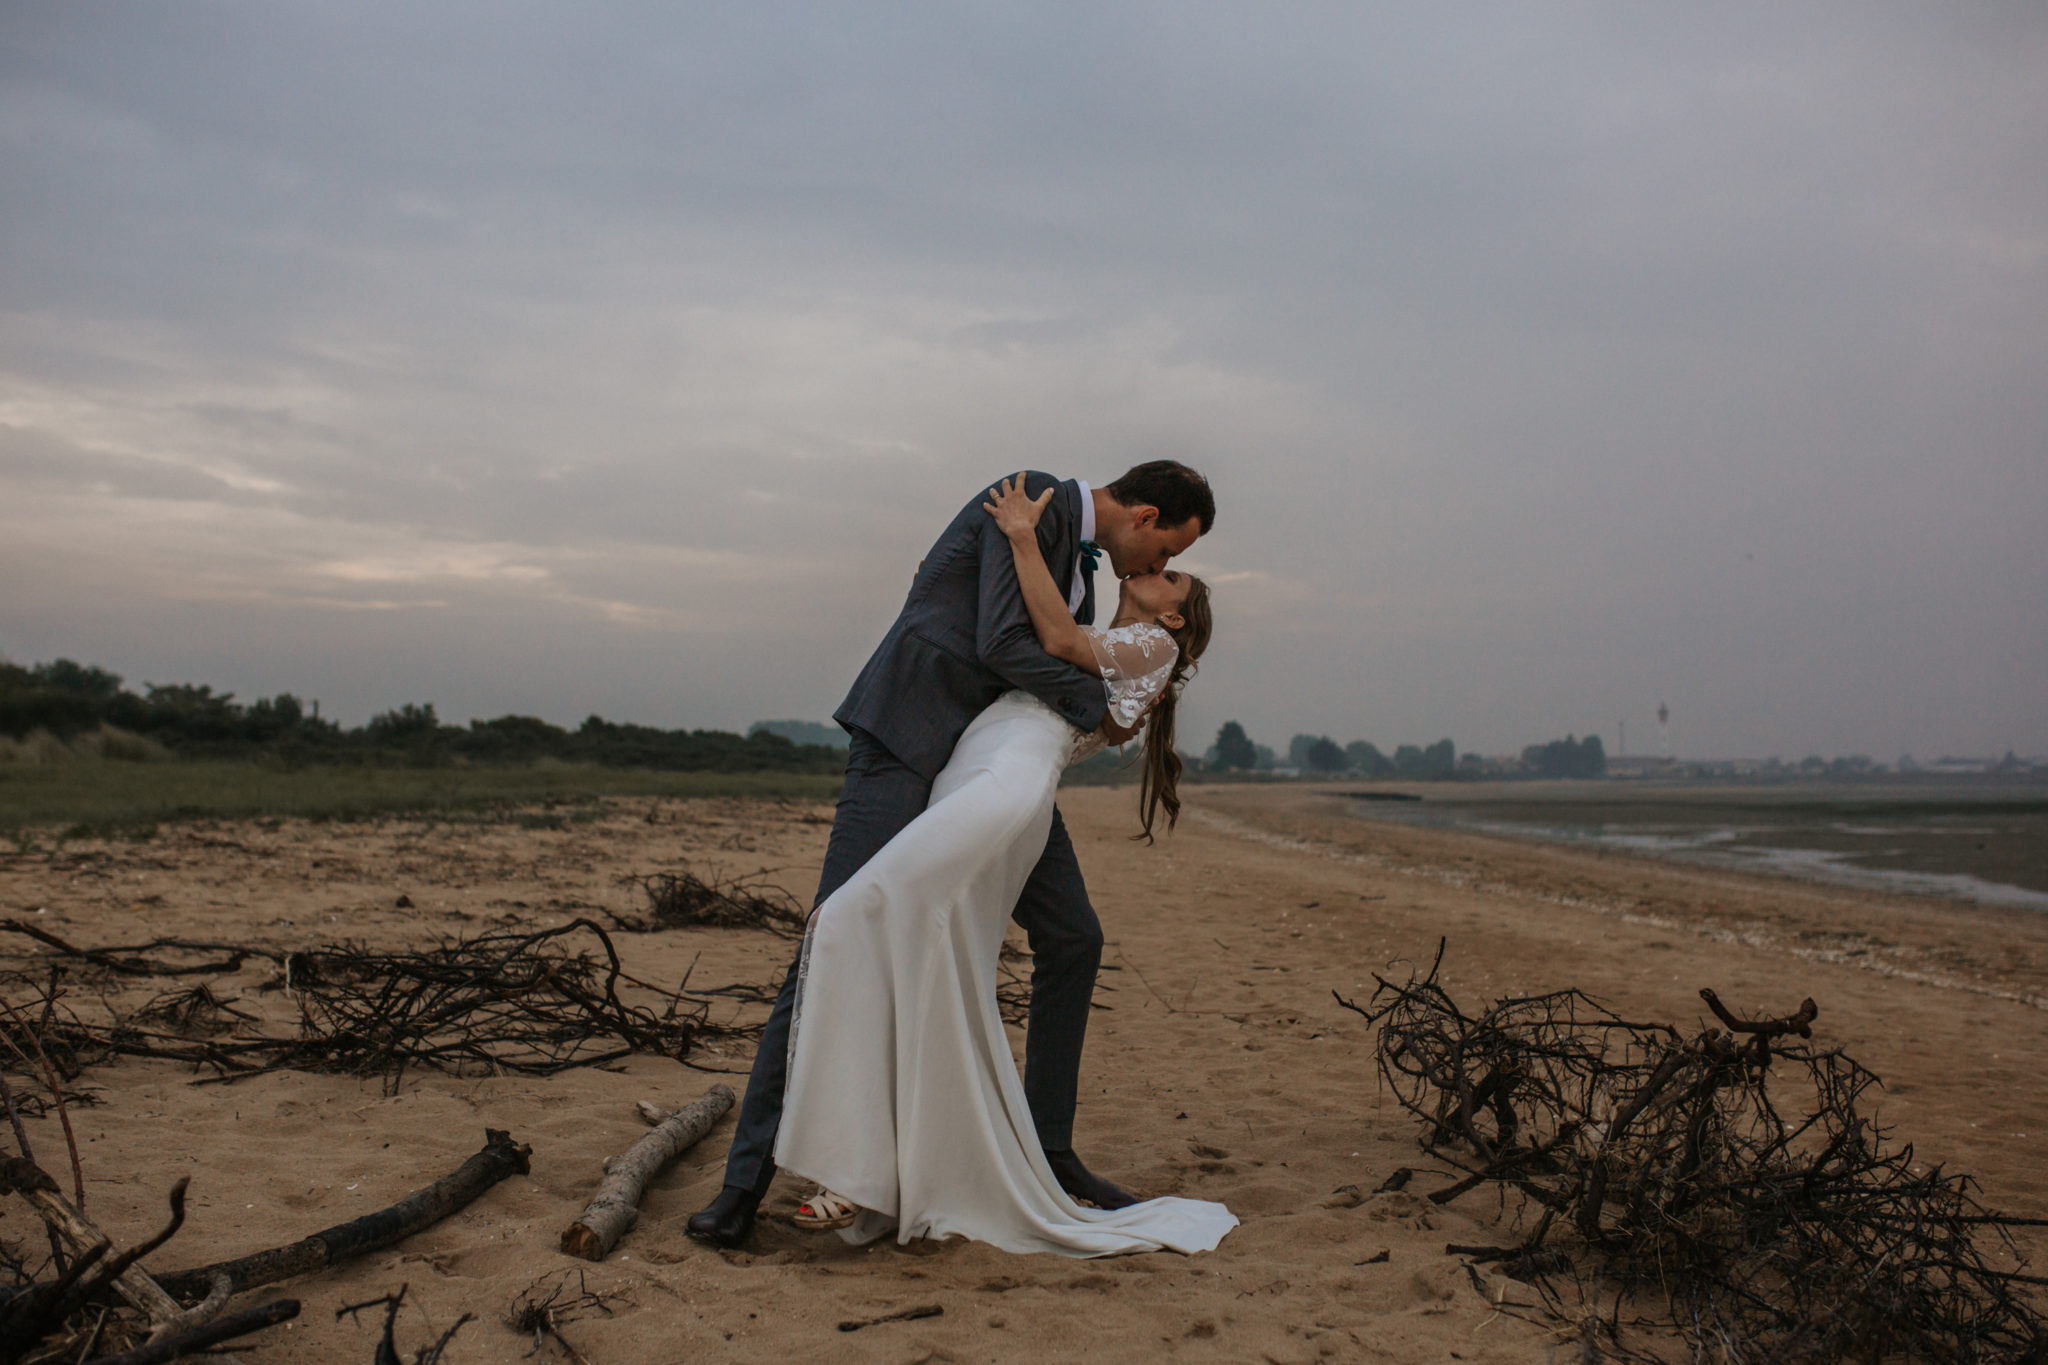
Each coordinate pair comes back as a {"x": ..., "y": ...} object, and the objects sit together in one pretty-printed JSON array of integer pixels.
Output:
[{"x": 1159, "y": 784}]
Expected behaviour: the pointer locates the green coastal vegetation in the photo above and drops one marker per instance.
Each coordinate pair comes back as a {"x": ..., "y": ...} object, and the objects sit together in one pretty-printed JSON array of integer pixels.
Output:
[
  {"x": 82, "y": 752},
  {"x": 87, "y": 711}
]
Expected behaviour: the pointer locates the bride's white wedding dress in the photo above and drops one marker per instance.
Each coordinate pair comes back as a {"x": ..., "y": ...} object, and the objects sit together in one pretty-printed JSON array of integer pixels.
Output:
[{"x": 902, "y": 1095}]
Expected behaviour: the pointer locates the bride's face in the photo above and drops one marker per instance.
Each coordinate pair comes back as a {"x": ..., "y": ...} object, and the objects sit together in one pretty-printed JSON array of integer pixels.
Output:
[{"x": 1155, "y": 596}]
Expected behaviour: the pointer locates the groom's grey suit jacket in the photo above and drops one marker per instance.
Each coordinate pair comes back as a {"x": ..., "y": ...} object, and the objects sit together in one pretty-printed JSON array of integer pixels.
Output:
[{"x": 964, "y": 638}]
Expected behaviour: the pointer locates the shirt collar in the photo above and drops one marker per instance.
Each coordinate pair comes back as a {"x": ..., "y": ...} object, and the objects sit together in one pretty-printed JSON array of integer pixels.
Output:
[{"x": 1087, "y": 510}]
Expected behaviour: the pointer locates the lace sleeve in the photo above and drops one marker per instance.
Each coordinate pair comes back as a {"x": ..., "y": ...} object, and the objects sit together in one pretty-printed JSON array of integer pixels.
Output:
[{"x": 1135, "y": 661}]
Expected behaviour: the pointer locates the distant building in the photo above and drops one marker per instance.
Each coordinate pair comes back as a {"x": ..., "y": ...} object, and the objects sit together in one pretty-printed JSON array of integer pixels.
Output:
[{"x": 1641, "y": 765}]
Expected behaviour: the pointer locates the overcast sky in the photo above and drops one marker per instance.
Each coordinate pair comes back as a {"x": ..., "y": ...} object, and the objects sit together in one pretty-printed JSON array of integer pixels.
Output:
[{"x": 1549, "y": 361}]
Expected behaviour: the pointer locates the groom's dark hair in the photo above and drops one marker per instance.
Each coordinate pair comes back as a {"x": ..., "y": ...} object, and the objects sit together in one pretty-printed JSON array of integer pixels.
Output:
[{"x": 1177, "y": 491}]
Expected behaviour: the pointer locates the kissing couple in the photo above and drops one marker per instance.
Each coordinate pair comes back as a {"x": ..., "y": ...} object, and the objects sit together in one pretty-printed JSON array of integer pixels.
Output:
[{"x": 884, "y": 1074}]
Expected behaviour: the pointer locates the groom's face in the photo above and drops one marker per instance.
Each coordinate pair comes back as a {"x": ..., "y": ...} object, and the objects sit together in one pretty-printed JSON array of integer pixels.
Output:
[{"x": 1145, "y": 545}]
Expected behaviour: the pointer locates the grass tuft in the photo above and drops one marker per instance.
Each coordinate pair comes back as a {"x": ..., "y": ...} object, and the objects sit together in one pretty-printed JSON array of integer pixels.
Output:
[{"x": 39, "y": 748}]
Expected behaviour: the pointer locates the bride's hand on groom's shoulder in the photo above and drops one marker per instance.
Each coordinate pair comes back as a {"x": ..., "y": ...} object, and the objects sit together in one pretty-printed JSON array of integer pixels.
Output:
[{"x": 1016, "y": 512}]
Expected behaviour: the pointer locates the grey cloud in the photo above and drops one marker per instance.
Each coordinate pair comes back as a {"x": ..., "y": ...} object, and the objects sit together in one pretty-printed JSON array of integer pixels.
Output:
[
  {"x": 40, "y": 460},
  {"x": 1549, "y": 361}
]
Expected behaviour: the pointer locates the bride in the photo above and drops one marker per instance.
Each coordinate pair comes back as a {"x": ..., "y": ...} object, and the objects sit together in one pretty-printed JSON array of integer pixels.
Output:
[{"x": 903, "y": 1100}]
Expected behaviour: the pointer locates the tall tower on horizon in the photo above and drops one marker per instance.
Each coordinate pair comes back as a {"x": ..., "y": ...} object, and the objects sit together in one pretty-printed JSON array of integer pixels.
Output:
[{"x": 1663, "y": 731}]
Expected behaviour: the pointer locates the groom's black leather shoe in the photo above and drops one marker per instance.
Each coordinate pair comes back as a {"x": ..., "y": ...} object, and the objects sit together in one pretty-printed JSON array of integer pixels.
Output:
[
  {"x": 1083, "y": 1184},
  {"x": 726, "y": 1220}
]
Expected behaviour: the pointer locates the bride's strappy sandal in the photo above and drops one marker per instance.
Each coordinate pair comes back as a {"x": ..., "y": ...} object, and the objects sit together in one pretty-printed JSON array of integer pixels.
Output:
[{"x": 824, "y": 1211}]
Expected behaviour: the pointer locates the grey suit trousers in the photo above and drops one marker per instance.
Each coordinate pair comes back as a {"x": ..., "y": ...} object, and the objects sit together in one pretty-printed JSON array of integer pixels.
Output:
[{"x": 880, "y": 797}]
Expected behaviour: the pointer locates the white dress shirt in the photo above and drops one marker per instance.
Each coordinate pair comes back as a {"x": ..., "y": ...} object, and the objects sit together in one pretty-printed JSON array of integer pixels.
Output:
[{"x": 1078, "y": 594}]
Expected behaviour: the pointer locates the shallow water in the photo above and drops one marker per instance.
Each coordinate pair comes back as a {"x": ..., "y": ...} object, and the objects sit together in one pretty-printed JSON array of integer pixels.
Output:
[{"x": 1972, "y": 844}]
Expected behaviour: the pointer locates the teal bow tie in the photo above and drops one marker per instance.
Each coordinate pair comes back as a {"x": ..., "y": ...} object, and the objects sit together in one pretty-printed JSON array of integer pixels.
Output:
[{"x": 1091, "y": 555}]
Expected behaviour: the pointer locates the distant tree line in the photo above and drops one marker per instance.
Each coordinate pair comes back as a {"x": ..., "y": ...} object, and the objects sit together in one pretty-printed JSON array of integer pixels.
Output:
[
  {"x": 68, "y": 699},
  {"x": 1322, "y": 756},
  {"x": 803, "y": 732},
  {"x": 1418, "y": 762}
]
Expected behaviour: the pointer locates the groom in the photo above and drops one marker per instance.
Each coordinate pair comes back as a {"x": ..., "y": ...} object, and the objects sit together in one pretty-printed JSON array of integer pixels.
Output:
[{"x": 963, "y": 639}]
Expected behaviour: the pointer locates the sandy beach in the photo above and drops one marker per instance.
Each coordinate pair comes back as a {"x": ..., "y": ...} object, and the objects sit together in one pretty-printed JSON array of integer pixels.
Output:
[{"x": 1218, "y": 1066}]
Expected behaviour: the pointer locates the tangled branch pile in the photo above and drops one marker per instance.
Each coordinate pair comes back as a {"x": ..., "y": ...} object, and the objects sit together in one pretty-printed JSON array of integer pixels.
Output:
[
  {"x": 1729, "y": 1171},
  {"x": 532, "y": 1002},
  {"x": 683, "y": 900}
]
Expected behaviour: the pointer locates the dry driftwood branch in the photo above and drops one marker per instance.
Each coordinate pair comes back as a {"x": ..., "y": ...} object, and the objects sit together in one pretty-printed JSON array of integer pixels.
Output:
[
  {"x": 500, "y": 1157},
  {"x": 35, "y": 1041},
  {"x": 387, "y": 1345},
  {"x": 929, "y": 1310},
  {"x": 121, "y": 961},
  {"x": 1800, "y": 1022},
  {"x": 28, "y": 1154},
  {"x": 199, "y": 1338},
  {"x": 131, "y": 1281},
  {"x": 598, "y": 1228},
  {"x": 193, "y": 1010},
  {"x": 118, "y": 1267},
  {"x": 201, "y": 1313}
]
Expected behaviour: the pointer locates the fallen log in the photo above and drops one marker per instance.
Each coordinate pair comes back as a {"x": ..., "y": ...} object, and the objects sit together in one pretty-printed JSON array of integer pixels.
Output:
[
  {"x": 500, "y": 1157},
  {"x": 598, "y": 1228}
]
